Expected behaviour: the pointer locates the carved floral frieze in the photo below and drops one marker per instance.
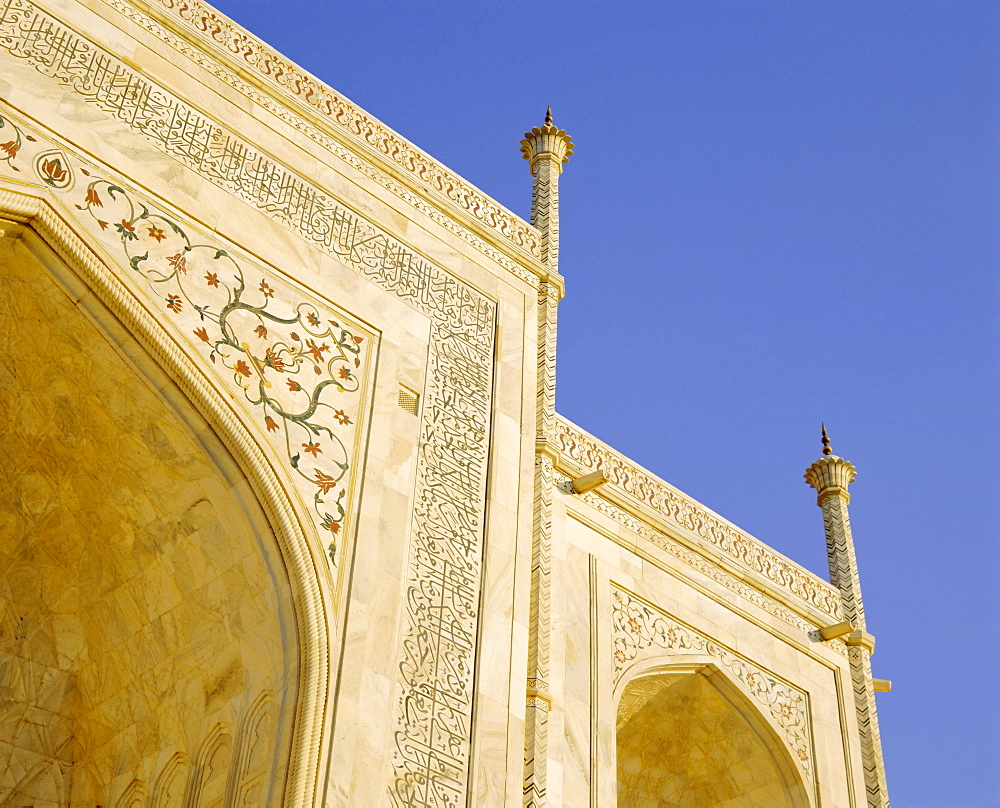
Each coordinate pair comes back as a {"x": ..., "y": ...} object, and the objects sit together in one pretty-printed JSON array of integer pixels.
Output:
[
  {"x": 698, "y": 562},
  {"x": 294, "y": 83},
  {"x": 277, "y": 105},
  {"x": 692, "y": 518}
]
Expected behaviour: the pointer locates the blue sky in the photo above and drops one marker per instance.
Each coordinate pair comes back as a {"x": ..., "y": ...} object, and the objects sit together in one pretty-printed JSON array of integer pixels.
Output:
[{"x": 778, "y": 213}]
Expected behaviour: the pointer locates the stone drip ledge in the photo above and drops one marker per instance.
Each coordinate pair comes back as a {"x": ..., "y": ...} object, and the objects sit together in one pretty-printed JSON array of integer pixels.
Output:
[{"x": 668, "y": 511}]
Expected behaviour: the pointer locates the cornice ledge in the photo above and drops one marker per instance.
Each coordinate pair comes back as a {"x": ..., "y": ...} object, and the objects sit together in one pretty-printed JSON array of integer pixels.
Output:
[
  {"x": 668, "y": 510},
  {"x": 318, "y": 106}
]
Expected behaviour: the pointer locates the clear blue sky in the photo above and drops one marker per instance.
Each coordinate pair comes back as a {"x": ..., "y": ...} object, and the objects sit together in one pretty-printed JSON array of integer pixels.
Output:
[{"x": 778, "y": 213}]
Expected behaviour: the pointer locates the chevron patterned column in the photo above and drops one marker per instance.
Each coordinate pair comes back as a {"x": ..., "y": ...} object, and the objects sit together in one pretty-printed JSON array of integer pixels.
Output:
[
  {"x": 831, "y": 476},
  {"x": 546, "y": 148}
]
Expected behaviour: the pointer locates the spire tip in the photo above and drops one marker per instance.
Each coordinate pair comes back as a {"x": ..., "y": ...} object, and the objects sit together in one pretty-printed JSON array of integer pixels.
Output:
[
  {"x": 548, "y": 116},
  {"x": 826, "y": 442}
]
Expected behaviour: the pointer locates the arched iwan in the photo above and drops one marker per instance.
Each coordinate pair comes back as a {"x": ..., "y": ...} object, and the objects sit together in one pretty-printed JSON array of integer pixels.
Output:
[
  {"x": 309, "y": 598},
  {"x": 685, "y": 728}
]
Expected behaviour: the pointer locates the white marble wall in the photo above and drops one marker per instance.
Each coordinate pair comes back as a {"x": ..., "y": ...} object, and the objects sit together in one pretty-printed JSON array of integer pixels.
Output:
[{"x": 369, "y": 613}]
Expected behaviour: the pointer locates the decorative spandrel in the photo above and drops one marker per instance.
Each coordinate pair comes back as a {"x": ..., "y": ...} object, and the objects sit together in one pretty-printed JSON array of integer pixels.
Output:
[{"x": 297, "y": 367}]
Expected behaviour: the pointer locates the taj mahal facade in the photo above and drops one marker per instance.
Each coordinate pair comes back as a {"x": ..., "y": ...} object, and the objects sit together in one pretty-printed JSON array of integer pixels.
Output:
[{"x": 287, "y": 514}]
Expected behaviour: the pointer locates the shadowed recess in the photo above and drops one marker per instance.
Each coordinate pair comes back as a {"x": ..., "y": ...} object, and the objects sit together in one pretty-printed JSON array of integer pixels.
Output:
[
  {"x": 685, "y": 741},
  {"x": 147, "y": 642}
]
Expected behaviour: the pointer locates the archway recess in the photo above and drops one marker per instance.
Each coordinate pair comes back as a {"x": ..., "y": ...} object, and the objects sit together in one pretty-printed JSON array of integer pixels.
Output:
[
  {"x": 686, "y": 737},
  {"x": 147, "y": 609}
]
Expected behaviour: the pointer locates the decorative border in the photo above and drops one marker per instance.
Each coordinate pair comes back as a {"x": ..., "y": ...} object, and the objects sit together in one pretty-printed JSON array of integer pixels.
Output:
[
  {"x": 302, "y": 89},
  {"x": 638, "y": 626},
  {"x": 360, "y": 164},
  {"x": 703, "y": 565},
  {"x": 436, "y": 674},
  {"x": 691, "y": 517}
]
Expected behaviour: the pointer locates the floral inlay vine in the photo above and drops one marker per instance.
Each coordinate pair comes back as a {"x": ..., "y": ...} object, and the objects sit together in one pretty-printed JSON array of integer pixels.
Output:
[
  {"x": 289, "y": 360},
  {"x": 639, "y": 628}
]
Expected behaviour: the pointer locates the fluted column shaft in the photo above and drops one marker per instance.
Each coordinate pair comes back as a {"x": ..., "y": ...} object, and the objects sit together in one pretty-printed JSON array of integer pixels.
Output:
[
  {"x": 545, "y": 206},
  {"x": 546, "y": 148},
  {"x": 831, "y": 476}
]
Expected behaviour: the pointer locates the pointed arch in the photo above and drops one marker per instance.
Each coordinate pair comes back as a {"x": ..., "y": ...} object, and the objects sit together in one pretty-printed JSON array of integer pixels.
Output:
[
  {"x": 165, "y": 793},
  {"x": 248, "y": 766},
  {"x": 212, "y": 764},
  {"x": 309, "y": 599},
  {"x": 682, "y": 704},
  {"x": 132, "y": 796}
]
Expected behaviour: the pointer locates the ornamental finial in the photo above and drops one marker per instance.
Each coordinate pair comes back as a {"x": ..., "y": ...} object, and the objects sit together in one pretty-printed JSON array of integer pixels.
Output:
[
  {"x": 830, "y": 474},
  {"x": 546, "y": 142}
]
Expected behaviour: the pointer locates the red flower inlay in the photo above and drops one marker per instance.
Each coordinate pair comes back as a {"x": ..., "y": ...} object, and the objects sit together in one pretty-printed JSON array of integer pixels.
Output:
[
  {"x": 312, "y": 448},
  {"x": 341, "y": 416},
  {"x": 202, "y": 334},
  {"x": 127, "y": 229},
  {"x": 317, "y": 350},
  {"x": 212, "y": 279},
  {"x": 242, "y": 367},
  {"x": 174, "y": 303},
  {"x": 267, "y": 290},
  {"x": 271, "y": 359},
  {"x": 325, "y": 482},
  {"x": 260, "y": 331},
  {"x": 10, "y": 147},
  {"x": 157, "y": 233},
  {"x": 53, "y": 170},
  {"x": 93, "y": 198},
  {"x": 293, "y": 385},
  {"x": 270, "y": 423},
  {"x": 178, "y": 262}
]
